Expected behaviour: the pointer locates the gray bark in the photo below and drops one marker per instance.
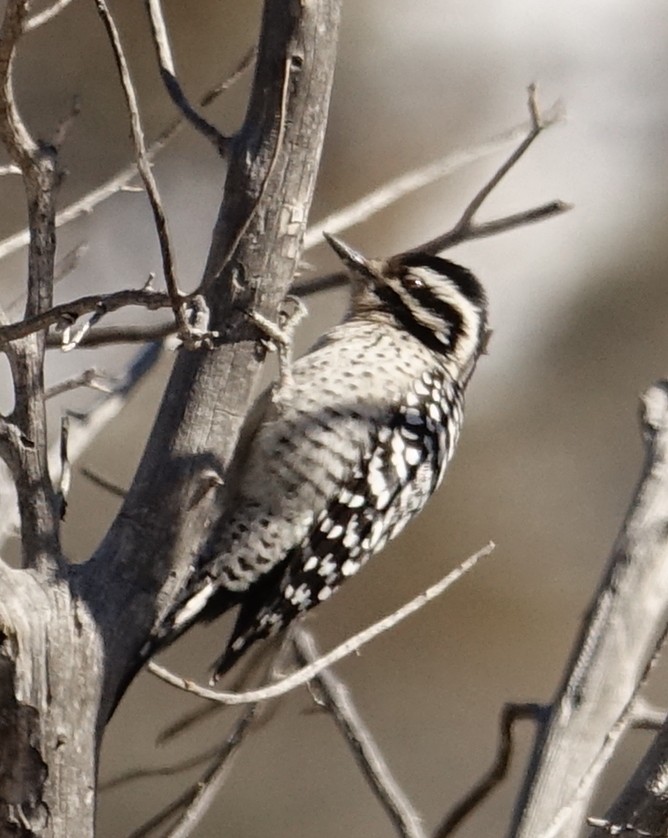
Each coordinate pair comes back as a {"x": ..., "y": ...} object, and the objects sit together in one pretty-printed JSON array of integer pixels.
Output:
[{"x": 70, "y": 637}]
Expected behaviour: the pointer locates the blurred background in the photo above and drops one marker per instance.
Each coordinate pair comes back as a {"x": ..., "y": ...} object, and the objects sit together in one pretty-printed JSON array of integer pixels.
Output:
[{"x": 551, "y": 449}]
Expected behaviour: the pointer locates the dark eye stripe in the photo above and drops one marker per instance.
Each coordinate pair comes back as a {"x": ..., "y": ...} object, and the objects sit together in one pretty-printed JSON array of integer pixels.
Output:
[
  {"x": 405, "y": 316},
  {"x": 445, "y": 312},
  {"x": 461, "y": 277}
]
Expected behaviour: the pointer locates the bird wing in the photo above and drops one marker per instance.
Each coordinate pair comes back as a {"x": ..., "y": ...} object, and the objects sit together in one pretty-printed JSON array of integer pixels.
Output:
[{"x": 388, "y": 484}]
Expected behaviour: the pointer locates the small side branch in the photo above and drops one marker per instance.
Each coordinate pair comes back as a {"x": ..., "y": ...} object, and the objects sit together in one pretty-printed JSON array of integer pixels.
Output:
[
  {"x": 45, "y": 16},
  {"x": 67, "y": 313},
  {"x": 143, "y": 165},
  {"x": 168, "y": 74},
  {"x": 466, "y": 228},
  {"x": 338, "y": 702},
  {"x": 510, "y": 714},
  {"x": 410, "y": 182}
]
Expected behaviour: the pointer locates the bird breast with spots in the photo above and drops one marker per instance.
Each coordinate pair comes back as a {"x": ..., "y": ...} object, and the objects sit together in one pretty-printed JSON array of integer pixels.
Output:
[{"x": 374, "y": 437}]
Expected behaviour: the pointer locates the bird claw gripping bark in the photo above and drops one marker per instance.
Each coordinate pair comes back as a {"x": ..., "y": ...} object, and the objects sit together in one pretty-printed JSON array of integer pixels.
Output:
[{"x": 279, "y": 337}]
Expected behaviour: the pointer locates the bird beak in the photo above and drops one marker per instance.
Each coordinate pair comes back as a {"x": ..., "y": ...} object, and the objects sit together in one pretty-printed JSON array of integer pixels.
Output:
[{"x": 353, "y": 260}]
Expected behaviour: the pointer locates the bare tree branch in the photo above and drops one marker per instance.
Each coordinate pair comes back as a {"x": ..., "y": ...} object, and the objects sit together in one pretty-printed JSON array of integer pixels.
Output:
[
  {"x": 103, "y": 483},
  {"x": 337, "y": 700},
  {"x": 13, "y": 132},
  {"x": 168, "y": 74},
  {"x": 144, "y": 167},
  {"x": 92, "y": 378},
  {"x": 27, "y": 456},
  {"x": 625, "y": 626},
  {"x": 179, "y": 767},
  {"x": 46, "y": 15},
  {"x": 510, "y": 714},
  {"x": 67, "y": 313},
  {"x": 108, "y": 335},
  {"x": 466, "y": 229},
  {"x": 353, "y": 644},
  {"x": 410, "y": 182}
]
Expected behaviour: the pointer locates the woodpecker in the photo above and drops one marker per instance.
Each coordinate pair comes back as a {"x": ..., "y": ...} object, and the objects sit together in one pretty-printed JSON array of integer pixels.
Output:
[{"x": 342, "y": 461}]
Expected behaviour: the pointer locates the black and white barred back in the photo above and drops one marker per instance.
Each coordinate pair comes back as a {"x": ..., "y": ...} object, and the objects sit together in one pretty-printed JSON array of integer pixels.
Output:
[{"x": 342, "y": 462}]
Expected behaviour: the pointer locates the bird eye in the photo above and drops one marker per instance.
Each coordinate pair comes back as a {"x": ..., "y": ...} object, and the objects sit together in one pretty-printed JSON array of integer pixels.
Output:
[{"x": 413, "y": 281}]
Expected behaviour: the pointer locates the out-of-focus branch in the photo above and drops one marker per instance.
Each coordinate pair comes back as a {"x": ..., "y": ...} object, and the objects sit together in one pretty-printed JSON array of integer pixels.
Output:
[
  {"x": 410, "y": 182},
  {"x": 122, "y": 179},
  {"x": 625, "y": 626},
  {"x": 337, "y": 700},
  {"x": 172, "y": 85},
  {"x": 92, "y": 378},
  {"x": 510, "y": 714},
  {"x": 107, "y": 335},
  {"x": 46, "y": 15},
  {"x": 466, "y": 228}
]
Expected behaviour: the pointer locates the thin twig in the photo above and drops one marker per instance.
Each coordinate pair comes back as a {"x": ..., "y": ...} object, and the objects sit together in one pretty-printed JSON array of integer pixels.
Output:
[
  {"x": 46, "y": 15},
  {"x": 466, "y": 228},
  {"x": 497, "y": 772},
  {"x": 92, "y": 378},
  {"x": 103, "y": 483},
  {"x": 13, "y": 132},
  {"x": 353, "y": 644},
  {"x": 316, "y": 284},
  {"x": 65, "y": 479},
  {"x": 198, "y": 798},
  {"x": 246, "y": 670},
  {"x": 210, "y": 784},
  {"x": 158, "y": 771},
  {"x": 367, "y": 754},
  {"x": 65, "y": 313},
  {"x": 492, "y": 228},
  {"x": 106, "y": 335},
  {"x": 172, "y": 85},
  {"x": 143, "y": 165},
  {"x": 119, "y": 182},
  {"x": 89, "y": 424},
  {"x": 410, "y": 182}
]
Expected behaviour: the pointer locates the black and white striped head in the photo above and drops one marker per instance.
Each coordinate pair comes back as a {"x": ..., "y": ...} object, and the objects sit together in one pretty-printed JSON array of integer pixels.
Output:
[{"x": 439, "y": 302}]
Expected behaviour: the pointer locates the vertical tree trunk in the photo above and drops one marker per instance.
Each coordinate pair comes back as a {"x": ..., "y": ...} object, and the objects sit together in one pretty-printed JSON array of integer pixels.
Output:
[{"x": 70, "y": 639}]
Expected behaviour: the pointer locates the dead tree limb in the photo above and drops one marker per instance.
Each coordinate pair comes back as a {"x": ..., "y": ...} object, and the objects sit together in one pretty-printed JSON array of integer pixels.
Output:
[
  {"x": 624, "y": 627},
  {"x": 63, "y": 660}
]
